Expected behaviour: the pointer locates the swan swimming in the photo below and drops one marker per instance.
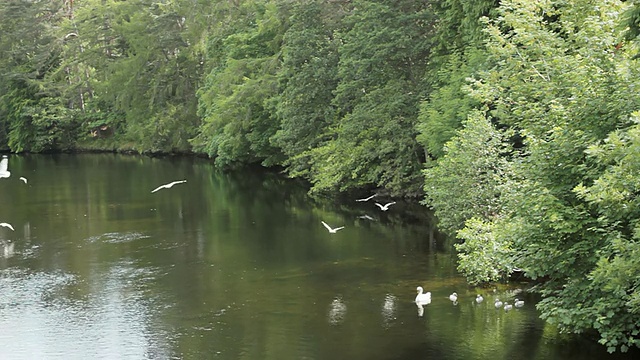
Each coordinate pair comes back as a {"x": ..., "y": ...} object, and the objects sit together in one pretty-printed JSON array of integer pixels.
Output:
[
  {"x": 331, "y": 230},
  {"x": 4, "y": 164},
  {"x": 7, "y": 225},
  {"x": 507, "y": 307},
  {"x": 369, "y": 198},
  {"x": 518, "y": 303},
  {"x": 167, "y": 186},
  {"x": 385, "y": 207},
  {"x": 454, "y": 298},
  {"x": 479, "y": 299},
  {"x": 423, "y": 298},
  {"x": 498, "y": 304}
]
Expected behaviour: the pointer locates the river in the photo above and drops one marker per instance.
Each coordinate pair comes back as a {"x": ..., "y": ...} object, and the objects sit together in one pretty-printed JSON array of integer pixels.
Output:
[{"x": 236, "y": 265}]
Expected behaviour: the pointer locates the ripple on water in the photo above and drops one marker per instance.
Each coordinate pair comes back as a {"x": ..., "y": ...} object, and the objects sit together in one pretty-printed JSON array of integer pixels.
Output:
[
  {"x": 337, "y": 311},
  {"x": 21, "y": 288},
  {"x": 117, "y": 238},
  {"x": 41, "y": 316}
]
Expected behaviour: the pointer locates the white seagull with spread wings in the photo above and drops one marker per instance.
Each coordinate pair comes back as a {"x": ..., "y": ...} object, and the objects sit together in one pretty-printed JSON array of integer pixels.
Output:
[
  {"x": 385, "y": 207},
  {"x": 7, "y": 225},
  {"x": 331, "y": 230},
  {"x": 167, "y": 186},
  {"x": 369, "y": 198}
]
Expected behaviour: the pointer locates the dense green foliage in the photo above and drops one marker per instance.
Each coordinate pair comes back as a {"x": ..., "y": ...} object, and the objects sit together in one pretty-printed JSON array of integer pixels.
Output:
[
  {"x": 561, "y": 90},
  {"x": 518, "y": 121}
]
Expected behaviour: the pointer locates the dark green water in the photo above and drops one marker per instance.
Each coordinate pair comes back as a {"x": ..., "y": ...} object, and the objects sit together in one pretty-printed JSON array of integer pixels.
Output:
[{"x": 234, "y": 266}]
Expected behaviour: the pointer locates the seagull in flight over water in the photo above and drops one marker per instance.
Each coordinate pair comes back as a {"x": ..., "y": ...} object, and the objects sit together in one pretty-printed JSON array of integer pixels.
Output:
[
  {"x": 4, "y": 164},
  {"x": 167, "y": 186},
  {"x": 369, "y": 198},
  {"x": 385, "y": 207},
  {"x": 366, "y": 217},
  {"x": 331, "y": 230},
  {"x": 7, "y": 225}
]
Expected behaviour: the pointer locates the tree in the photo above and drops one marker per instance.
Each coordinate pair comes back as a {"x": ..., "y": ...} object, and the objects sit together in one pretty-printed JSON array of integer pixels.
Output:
[
  {"x": 457, "y": 54},
  {"x": 564, "y": 87},
  {"x": 467, "y": 181},
  {"x": 141, "y": 59},
  {"x": 383, "y": 54},
  {"x": 307, "y": 80},
  {"x": 235, "y": 103},
  {"x": 33, "y": 116}
]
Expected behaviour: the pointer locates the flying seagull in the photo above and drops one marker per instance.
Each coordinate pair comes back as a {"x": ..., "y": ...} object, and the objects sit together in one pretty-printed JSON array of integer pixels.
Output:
[
  {"x": 166, "y": 186},
  {"x": 369, "y": 198},
  {"x": 331, "y": 230},
  {"x": 7, "y": 225},
  {"x": 385, "y": 207},
  {"x": 366, "y": 217},
  {"x": 4, "y": 164},
  {"x": 23, "y": 179}
]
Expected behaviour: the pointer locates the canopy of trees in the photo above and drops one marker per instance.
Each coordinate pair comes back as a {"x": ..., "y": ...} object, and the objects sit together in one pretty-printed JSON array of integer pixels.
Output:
[{"x": 518, "y": 122}]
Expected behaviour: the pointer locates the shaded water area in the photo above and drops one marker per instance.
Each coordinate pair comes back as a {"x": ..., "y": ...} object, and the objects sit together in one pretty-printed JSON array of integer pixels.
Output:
[{"x": 235, "y": 266}]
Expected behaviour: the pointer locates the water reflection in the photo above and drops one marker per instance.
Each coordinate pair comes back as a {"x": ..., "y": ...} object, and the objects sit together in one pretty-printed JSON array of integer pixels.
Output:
[
  {"x": 235, "y": 266},
  {"x": 49, "y": 312},
  {"x": 337, "y": 311},
  {"x": 421, "y": 304},
  {"x": 8, "y": 249},
  {"x": 389, "y": 310}
]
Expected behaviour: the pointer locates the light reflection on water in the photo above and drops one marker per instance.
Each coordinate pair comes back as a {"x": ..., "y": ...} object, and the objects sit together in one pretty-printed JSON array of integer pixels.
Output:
[
  {"x": 235, "y": 266},
  {"x": 40, "y": 319}
]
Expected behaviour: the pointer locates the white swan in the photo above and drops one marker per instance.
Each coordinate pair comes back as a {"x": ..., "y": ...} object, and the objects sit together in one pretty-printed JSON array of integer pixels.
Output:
[
  {"x": 167, "y": 186},
  {"x": 369, "y": 198},
  {"x": 454, "y": 298},
  {"x": 385, "y": 207},
  {"x": 423, "y": 298},
  {"x": 7, "y": 225},
  {"x": 331, "y": 230},
  {"x": 518, "y": 303},
  {"x": 507, "y": 307},
  {"x": 479, "y": 299},
  {"x": 4, "y": 164},
  {"x": 498, "y": 304}
]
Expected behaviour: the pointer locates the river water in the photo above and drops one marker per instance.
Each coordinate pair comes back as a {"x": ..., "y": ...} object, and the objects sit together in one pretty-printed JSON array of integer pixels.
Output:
[{"x": 235, "y": 265}]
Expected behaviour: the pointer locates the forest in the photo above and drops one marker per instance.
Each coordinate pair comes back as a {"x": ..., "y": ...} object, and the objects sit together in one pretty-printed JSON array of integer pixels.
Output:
[{"x": 517, "y": 122}]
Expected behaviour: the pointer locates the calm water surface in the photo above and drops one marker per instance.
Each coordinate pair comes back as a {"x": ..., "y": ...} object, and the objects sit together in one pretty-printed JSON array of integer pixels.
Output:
[{"x": 234, "y": 266}]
